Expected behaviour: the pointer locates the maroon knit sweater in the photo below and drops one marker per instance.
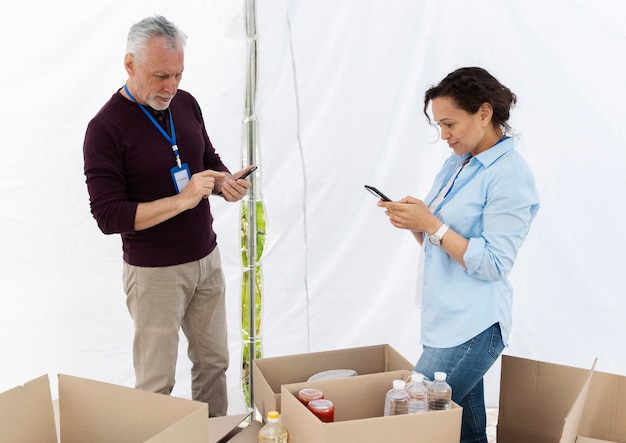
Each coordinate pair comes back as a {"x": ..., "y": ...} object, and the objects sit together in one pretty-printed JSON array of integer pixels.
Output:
[{"x": 128, "y": 161}]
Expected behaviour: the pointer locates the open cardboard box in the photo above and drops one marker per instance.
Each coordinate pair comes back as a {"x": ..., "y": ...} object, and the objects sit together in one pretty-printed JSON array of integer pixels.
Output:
[
  {"x": 270, "y": 373},
  {"x": 92, "y": 411},
  {"x": 549, "y": 403},
  {"x": 359, "y": 406}
]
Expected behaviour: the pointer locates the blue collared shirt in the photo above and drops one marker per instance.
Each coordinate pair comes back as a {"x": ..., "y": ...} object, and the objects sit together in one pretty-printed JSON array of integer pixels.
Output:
[{"x": 492, "y": 203}]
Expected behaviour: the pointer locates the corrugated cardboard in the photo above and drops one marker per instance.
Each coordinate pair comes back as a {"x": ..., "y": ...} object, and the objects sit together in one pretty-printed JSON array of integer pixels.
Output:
[
  {"x": 230, "y": 429},
  {"x": 26, "y": 413},
  {"x": 359, "y": 405},
  {"x": 549, "y": 403},
  {"x": 270, "y": 373},
  {"x": 94, "y": 412},
  {"x": 249, "y": 434}
]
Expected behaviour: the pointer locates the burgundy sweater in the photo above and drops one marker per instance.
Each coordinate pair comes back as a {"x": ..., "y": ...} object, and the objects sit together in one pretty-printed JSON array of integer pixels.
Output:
[{"x": 128, "y": 161}]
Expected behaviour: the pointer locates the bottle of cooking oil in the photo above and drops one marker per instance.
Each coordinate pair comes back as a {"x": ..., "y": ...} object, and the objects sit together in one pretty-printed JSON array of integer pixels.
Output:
[{"x": 273, "y": 431}]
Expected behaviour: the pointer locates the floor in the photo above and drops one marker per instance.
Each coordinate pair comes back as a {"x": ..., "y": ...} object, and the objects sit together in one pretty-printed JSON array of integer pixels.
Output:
[{"x": 492, "y": 421}]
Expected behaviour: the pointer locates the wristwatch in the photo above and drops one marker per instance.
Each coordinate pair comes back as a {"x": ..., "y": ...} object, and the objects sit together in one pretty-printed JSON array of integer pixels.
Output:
[{"x": 435, "y": 239}]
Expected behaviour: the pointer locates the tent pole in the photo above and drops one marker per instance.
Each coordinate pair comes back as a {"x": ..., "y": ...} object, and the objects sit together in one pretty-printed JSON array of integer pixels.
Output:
[{"x": 250, "y": 158}]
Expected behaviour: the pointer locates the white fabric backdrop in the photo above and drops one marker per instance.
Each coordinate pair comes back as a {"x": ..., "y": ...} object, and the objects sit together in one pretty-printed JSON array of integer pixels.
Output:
[{"x": 339, "y": 105}]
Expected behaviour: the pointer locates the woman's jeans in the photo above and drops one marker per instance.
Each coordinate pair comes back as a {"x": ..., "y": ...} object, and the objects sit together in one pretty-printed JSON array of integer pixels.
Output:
[{"x": 465, "y": 366}]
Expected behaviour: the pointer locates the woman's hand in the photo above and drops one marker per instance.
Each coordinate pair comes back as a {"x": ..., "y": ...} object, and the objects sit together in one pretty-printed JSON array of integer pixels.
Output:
[{"x": 412, "y": 214}]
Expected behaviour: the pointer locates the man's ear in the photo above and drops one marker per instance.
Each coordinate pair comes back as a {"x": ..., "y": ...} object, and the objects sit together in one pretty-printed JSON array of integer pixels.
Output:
[
  {"x": 129, "y": 64},
  {"x": 486, "y": 112}
]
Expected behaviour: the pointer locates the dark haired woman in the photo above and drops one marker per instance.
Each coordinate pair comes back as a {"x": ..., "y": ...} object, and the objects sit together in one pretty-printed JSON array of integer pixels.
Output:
[{"x": 471, "y": 226}]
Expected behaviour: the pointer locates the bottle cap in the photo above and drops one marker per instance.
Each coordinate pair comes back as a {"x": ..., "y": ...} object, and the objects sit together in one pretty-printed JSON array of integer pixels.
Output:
[
  {"x": 399, "y": 384},
  {"x": 417, "y": 377},
  {"x": 440, "y": 376},
  {"x": 273, "y": 416}
]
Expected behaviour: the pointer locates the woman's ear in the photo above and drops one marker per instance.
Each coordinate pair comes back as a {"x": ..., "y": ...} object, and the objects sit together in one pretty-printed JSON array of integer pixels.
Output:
[{"x": 486, "y": 112}]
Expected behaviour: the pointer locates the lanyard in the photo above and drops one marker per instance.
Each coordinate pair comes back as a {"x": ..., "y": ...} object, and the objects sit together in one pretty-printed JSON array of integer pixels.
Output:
[
  {"x": 171, "y": 139},
  {"x": 466, "y": 161}
]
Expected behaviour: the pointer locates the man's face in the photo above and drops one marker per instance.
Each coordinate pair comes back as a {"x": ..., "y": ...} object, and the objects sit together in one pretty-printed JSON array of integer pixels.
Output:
[{"x": 154, "y": 75}]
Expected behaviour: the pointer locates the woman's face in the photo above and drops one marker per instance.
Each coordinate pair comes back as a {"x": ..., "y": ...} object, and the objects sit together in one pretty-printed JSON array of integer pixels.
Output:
[{"x": 464, "y": 132}]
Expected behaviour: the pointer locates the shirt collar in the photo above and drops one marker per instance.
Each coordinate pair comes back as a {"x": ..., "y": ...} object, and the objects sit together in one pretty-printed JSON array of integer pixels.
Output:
[{"x": 494, "y": 153}]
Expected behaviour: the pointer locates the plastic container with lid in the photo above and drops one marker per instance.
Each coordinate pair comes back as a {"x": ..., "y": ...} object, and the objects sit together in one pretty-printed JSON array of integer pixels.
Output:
[
  {"x": 308, "y": 394},
  {"x": 323, "y": 409}
]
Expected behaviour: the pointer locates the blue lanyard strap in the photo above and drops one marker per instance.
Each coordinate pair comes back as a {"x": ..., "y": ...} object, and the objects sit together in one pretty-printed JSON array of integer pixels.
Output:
[
  {"x": 171, "y": 139},
  {"x": 465, "y": 162}
]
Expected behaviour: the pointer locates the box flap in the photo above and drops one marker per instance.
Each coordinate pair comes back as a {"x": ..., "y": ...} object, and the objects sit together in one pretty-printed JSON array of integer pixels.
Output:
[
  {"x": 572, "y": 420},
  {"x": 26, "y": 413},
  {"x": 220, "y": 427},
  {"x": 249, "y": 434},
  {"x": 592, "y": 440},
  {"x": 298, "y": 368},
  {"x": 102, "y": 412},
  {"x": 605, "y": 411},
  {"x": 535, "y": 398}
]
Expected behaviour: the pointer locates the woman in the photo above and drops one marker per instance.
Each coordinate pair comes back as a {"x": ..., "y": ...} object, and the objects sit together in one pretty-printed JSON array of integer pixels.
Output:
[{"x": 471, "y": 226}]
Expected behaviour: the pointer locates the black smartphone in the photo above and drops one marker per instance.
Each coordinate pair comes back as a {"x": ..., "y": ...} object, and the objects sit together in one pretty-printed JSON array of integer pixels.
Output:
[
  {"x": 377, "y": 193},
  {"x": 246, "y": 174}
]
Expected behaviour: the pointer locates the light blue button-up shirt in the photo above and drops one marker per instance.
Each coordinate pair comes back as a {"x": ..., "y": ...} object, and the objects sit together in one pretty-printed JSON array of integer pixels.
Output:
[{"x": 492, "y": 203}]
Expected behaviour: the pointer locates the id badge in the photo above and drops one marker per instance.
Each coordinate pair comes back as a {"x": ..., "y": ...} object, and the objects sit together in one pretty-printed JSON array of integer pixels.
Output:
[{"x": 180, "y": 176}]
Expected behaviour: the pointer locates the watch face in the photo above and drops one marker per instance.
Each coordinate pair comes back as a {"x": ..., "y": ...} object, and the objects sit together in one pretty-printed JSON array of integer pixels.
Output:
[{"x": 434, "y": 240}]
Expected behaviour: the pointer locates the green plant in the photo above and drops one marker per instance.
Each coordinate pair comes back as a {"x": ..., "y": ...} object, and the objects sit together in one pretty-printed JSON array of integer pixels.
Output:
[{"x": 246, "y": 290}]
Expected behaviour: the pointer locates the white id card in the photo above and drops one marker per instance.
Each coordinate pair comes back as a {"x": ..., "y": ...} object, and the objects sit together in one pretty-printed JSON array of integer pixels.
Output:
[{"x": 181, "y": 177}]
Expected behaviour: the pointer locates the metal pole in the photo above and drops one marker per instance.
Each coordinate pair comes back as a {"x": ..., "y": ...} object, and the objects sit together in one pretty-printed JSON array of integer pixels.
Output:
[{"x": 250, "y": 157}]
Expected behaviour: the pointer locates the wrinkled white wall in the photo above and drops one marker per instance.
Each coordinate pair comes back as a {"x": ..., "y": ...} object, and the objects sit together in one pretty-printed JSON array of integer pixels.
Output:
[{"x": 339, "y": 105}]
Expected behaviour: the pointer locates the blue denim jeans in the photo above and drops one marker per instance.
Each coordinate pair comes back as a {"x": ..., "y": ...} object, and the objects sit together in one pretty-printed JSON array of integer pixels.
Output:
[{"x": 466, "y": 365}]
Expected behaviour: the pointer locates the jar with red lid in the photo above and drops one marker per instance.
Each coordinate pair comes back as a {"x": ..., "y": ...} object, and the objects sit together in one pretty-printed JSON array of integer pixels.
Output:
[
  {"x": 323, "y": 409},
  {"x": 308, "y": 394}
]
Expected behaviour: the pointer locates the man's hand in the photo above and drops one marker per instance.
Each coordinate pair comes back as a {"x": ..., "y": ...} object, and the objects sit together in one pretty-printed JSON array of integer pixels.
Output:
[
  {"x": 234, "y": 188},
  {"x": 200, "y": 186}
]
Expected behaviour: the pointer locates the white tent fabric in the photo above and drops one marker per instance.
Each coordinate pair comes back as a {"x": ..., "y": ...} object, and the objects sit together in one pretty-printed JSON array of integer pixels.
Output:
[{"x": 339, "y": 105}]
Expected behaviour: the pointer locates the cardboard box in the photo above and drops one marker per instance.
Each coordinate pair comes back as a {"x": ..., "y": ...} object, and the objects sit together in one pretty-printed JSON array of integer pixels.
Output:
[
  {"x": 549, "y": 403},
  {"x": 359, "y": 407},
  {"x": 270, "y": 373},
  {"x": 92, "y": 411}
]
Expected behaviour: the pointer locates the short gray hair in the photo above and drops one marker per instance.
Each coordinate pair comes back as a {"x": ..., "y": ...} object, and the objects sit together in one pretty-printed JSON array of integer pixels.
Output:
[{"x": 156, "y": 26}]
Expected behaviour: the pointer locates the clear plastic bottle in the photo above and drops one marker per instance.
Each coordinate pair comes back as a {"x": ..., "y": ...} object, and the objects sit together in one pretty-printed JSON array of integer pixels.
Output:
[
  {"x": 397, "y": 399},
  {"x": 418, "y": 394},
  {"x": 439, "y": 393},
  {"x": 273, "y": 431}
]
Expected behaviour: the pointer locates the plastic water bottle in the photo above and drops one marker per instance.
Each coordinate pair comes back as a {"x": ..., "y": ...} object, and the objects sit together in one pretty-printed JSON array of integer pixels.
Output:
[
  {"x": 418, "y": 394},
  {"x": 439, "y": 393},
  {"x": 397, "y": 399},
  {"x": 273, "y": 432}
]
